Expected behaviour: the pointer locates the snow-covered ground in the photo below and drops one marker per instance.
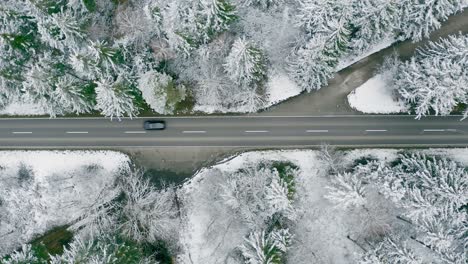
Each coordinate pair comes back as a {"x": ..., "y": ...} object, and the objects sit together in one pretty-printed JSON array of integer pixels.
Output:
[
  {"x": 18, "y": 108},
  {"x": 279, "y": 88},
  {"x": 376, "y": 96},
  {"x": 43, "y": 189}
]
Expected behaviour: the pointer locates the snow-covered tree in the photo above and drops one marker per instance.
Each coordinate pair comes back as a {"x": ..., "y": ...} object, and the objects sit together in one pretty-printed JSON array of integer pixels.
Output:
[
  {"x": 278, "y": 198},
  {"x": 347, "y": 190},
  {"x": 257, "y": 195},
  {"x": 61, "y": 30},
  {"x": 435, "y": 80},
  {"x": 113, "y": 98},
  {"x": 264, "y": 248},
  {"x": 431, "y": 192},
  {"x": 148, "y": 214},
  {"x": 391, "y": 250},
  {"x": 262, "y": 3},
  {"x": 379, "y": 20},
  {"x": 160, "y": 91},
  {"x": 69, "y": 95},
  {"x": 105, "y": 249},
  {"x": 245, "y": 64},
  {"x": 310, "y": 67},
  {"x": 23, "y": 256},
  {"x": 420, "y": 18}
]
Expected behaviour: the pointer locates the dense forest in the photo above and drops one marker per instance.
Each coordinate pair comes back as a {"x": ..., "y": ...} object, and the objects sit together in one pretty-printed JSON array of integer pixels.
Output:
[{"x": 122, "y": 57}]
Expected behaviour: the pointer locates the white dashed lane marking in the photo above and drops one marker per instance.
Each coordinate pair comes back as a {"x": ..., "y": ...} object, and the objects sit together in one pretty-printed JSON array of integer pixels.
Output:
[
  {"x": 77, "y": 132},
  {"x": 317, "y": 131},
  {"x": 256, "y": 131},
  {"x": 376, "y": 130},
  {"x": 135, "y": 132},
  {"x": 194, "y": 132}
]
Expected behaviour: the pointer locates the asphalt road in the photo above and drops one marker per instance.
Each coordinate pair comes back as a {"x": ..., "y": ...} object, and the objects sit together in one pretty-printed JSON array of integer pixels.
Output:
[{"x": 236, "y": 131}]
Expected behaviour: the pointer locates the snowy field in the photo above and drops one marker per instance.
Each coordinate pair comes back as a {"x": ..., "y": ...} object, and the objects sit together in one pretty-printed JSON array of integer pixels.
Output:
[
  {"x": 376, "y": 97},
  {"x": 40, "y": 190},
  {"x": 323, "y": 233}
]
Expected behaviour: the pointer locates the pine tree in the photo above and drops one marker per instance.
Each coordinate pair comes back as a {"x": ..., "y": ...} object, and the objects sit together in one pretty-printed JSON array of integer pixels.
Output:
[
  {"x": 24, "y": 256},
  {"x": 421, "y": 18},
  {"x": 245, "y": 64},
  {"x": 347, "y": 190},
  {"x": 222, "y": 14},
  {"x": 433, "y": 81},
  {"x": 380, "y": 20},
  {"x": 265, "y": 4},
  {"x": 311, "y": 67},
  {"x": 391, "y": 250},
  {"x": 149, "y": 214},
  {"x": 263, "y": 248},
  {"x": 68, "y": 93},
  {"x": 113, "y": 98}
]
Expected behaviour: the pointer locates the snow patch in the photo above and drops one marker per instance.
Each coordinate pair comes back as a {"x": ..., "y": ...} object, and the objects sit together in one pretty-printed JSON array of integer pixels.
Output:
[
  {"x": 376, "y": 96},
  {"x": 279, "y": 88},
  {"x": 40, "y": 190},
  {"x": 22, "y": 108}
]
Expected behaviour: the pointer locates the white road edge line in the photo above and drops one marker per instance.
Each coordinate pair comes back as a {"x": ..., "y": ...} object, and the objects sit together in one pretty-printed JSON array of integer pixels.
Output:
[
  {"x": 376, "y": 130},
  {"x": 434, "y": 130},
  {"x": 317, "y": 131},
  {"x": 135, "y": 132},
  {"x": 77, "y": 132},
  {"x": 256, "y": 131},
  {"x": 21, "y": 132},
  {"x": 193, "y": 132}
]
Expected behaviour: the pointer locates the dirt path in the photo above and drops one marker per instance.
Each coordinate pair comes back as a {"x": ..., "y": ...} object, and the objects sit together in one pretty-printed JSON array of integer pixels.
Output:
[{"x": 331, "y": 100}]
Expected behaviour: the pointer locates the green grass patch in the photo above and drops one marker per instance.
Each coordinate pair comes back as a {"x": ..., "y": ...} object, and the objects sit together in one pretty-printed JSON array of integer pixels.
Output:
[
  {"x": 185, "y": 106},
  {"x": 52, "y": 242},
  {"x": 159, "y": 178},
  {"x": 90, "y": 5}
]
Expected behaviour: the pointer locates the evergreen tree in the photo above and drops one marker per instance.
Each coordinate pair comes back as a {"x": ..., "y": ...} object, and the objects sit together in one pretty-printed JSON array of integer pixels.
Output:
[
  {"x": 262, "y": 248},
  {"x": 435, "y": 80},
  {"x": 347, "y": 190},
  {"x": 113, "y": 98},
  {"x": 419, "y": 19},
  {"x": 379, "y": 21},
  {"x": 245, "y": 64},
  {"x": 391, "y": 250}
]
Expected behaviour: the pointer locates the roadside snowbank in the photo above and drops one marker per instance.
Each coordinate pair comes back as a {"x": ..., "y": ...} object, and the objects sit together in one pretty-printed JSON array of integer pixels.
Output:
[
  {"x": 17, "y": 107},
  {"x": 43, "y": 189},
  {"x": 376, "y": 96},
  {"x": 279, "y": 88}
]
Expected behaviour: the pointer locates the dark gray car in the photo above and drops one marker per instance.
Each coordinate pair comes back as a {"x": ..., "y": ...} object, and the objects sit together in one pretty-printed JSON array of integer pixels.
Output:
[{"x": 154, "y": 125}]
